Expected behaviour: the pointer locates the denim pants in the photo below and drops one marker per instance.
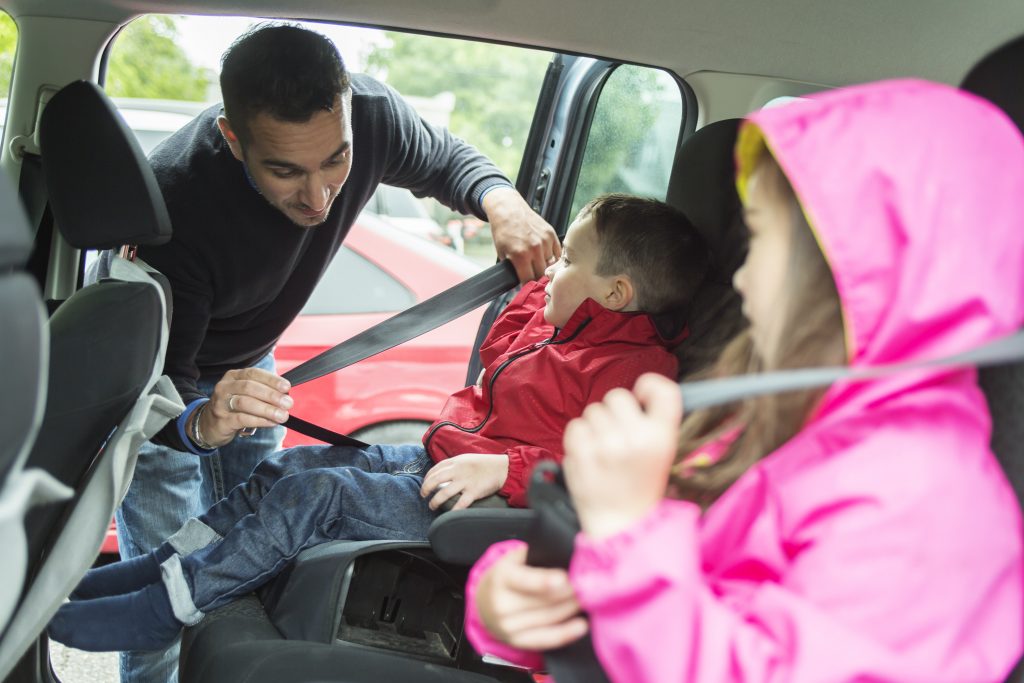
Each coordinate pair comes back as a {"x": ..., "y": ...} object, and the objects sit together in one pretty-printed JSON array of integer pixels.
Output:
[
  {"x": 294, "y": 500},
  {"x": 168, "y": 488}
]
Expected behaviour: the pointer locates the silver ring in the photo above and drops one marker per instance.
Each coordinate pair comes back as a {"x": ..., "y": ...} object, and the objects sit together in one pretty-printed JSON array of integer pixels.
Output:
[{"x": 231, "y": 402}]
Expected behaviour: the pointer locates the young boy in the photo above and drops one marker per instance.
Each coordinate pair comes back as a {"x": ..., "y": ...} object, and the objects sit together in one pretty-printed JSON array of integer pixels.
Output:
[{"x": 598, "y": 320}]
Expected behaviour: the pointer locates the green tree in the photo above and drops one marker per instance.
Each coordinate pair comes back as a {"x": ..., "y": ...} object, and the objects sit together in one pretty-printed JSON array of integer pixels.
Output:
[
  {"x": 495, "y": 87},
  {"x": 8, "y": 44},
  {"x": 146, "y": 61}
]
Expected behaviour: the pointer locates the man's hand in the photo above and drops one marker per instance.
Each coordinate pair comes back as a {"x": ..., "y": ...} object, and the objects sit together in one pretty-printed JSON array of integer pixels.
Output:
[
  {"x": 520, "y": 235},
  {"x": 528, "y": 607},
  {"x": 470, "y": 476},
  {"x": 619, "y": 452},
  {"x": 244, "y": 399}
]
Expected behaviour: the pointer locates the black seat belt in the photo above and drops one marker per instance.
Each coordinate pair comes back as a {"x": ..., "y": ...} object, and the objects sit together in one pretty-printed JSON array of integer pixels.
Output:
[
  {"x": 555, "y": 526},
  {"x": 409, "y": 324}
]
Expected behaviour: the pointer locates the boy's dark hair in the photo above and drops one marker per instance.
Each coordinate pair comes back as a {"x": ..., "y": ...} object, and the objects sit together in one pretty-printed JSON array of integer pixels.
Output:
[
  {"x": 286, "y": 71},
  {"x": 654, "y": 244}
]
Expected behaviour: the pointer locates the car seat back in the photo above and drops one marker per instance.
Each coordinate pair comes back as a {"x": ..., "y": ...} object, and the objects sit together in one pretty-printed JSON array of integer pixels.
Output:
[
  {"x": 106, "y": 395},
  {"x": 23, "y": 350},
  {"x": 997, "y": 77},
  {"x": 703, "y": 187}
]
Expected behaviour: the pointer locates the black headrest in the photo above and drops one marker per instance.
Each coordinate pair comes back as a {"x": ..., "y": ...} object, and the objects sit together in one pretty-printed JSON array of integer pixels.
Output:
[
  {"x": 102, "y": 190},
  {"x": 703, "y": 186},
  {"x": 999, "y": 77},
  {"x": 15, "y": 237}
]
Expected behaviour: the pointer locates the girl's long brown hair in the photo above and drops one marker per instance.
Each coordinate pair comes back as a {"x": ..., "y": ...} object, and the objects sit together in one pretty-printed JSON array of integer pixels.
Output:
[{"x": 812, "y": 335}]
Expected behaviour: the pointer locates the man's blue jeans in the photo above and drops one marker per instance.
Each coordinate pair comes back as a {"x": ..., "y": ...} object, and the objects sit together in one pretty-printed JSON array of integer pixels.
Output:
[
  {"x": 168, "y": 488},
  {"x": 294, "y": 500}
]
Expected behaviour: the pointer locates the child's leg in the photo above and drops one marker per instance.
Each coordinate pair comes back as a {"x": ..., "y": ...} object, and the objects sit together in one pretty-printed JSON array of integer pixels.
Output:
[
  {"x": 301, "y": 510},
  {"x": 137, "y": 621},
  {"x": 133, "y": 574},
  {"x": 126, "y": 576},
  {"x": 245, "y": 498}
]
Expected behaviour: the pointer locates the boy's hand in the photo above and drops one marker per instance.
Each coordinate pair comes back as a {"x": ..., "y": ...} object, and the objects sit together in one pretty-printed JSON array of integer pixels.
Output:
[
  {"x": 471, "y": 476},
  {"x": 619, "y": 452},
  {"x": 528, "y": 607}
]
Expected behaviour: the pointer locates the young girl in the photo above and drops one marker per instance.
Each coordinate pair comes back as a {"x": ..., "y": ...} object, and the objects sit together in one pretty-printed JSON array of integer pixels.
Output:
[{"x": 859, "y": 533}]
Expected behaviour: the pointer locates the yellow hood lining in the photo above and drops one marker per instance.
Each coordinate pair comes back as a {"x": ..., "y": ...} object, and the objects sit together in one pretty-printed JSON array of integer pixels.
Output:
[{"x": 750, "y": 145}]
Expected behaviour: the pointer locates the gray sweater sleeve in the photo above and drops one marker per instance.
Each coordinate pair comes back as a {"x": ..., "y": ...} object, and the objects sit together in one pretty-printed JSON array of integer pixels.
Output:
[{"x": 430, "y": 161}]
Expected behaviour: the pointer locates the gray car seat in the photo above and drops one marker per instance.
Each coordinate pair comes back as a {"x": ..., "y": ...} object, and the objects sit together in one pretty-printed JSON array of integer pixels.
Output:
[
  {"x": 998, "y": 78},
  {"x": 23, "y": 348},
  {"x": 106, "y": 394},
  {"x": 355, "y": 612}
]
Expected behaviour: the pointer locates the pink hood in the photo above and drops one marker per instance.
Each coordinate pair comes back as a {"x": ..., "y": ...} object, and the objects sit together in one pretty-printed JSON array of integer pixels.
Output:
[
  {"x": 923, "y": 269},
  {"x": 882, "y": 543}
]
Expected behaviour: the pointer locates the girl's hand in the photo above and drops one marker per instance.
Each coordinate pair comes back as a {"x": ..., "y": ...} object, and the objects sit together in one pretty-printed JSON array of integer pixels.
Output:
[
  {"x": 528, "y": 607},
  {"x": 470, "y": 476},
  {"x": 619, "y": 452}
]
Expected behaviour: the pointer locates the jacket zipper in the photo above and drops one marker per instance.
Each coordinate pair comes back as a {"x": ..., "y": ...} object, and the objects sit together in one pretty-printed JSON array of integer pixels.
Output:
[{"x": 490, "y": 385}]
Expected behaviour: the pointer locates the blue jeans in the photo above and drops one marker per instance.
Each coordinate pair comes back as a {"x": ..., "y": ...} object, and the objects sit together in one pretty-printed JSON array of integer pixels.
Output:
[
  {"x": 294, "y": 500},
  {"x": 168, "y": 488}
]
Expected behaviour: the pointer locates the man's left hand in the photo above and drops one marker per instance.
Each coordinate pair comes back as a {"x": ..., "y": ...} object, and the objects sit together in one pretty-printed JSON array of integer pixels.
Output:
[{"x": 520, "y": 234}]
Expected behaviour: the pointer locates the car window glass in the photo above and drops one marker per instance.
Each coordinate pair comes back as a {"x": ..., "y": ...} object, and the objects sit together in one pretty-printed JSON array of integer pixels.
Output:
[
  {"x": 354, "y": 285},
  {"x": 160, "y": 65},
  {"x": 633, "y": 136},
  {"x": 8, "y": 46}
]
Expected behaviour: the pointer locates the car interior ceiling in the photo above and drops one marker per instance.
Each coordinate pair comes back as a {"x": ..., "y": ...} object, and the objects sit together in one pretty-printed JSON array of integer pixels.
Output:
[{"x": 394, "y": 611}]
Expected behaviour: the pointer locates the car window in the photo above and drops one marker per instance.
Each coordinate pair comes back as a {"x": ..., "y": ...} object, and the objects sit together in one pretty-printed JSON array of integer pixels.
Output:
[
  {"x": 352, "y": 284},
  {"x": 8, "y": 47},
  {"x": 633, "y": 136},
  {"x": 483, "y": 93}
]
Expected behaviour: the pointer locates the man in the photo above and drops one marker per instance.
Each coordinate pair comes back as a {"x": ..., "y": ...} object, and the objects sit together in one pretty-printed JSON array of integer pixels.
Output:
[{"x": 261, "y": 194}]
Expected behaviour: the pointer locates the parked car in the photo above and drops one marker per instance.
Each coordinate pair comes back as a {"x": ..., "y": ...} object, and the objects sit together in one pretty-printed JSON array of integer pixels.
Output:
[
  {"x": 391, "y": 397},
  {"x": 402, "y": 209}
]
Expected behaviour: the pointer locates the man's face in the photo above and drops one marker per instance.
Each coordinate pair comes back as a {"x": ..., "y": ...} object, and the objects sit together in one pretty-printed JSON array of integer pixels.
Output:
[{"x": 298, "y": 167}]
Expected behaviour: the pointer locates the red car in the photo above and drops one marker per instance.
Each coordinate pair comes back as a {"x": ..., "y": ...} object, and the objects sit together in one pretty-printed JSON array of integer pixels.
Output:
[{"x": 391, "y": 397}]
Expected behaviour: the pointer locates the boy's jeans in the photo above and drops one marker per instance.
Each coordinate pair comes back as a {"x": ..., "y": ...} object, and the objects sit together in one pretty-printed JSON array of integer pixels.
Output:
[
  {"x": 168, "y": 488},
  {"x": 295, "y": 499}
]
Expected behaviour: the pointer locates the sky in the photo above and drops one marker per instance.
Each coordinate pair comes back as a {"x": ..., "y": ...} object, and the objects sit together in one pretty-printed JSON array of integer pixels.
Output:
[{"x": 204, "y": 39}]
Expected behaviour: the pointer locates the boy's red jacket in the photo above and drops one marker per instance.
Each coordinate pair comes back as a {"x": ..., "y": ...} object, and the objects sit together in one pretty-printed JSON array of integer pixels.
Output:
[{"x": 537, "y": 379}]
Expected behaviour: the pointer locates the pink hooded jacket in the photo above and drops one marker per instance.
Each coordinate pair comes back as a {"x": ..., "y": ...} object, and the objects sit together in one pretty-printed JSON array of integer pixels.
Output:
[{"x": 882, "y": 543}]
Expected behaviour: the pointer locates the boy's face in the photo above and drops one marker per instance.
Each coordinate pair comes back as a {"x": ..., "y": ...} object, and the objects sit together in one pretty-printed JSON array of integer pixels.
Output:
[{"x": 574, "y": 277}]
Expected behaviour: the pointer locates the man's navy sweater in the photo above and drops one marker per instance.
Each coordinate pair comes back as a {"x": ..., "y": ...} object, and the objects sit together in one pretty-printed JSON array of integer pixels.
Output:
[{"x": 240, "y": 271}]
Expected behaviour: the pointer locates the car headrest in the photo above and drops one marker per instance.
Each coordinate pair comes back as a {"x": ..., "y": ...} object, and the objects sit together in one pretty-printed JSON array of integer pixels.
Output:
[
  {"x": 997, "y": 78},
  {"x": 15, "y": 236},
  {"x": 703, "y": 186},
  {"x": 101, "y": 188}
]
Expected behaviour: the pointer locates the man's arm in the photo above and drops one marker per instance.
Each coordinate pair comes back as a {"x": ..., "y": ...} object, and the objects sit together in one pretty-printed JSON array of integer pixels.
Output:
[{"x": 432, "y": 162}]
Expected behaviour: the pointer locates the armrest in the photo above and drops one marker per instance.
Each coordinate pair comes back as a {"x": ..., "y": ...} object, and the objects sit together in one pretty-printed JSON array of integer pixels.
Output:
[{"x": 462, "y": 536}]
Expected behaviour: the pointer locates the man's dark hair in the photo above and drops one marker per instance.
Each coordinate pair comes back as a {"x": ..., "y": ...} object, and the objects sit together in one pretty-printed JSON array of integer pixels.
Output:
[
  {"x": 285, "y": 71},
  {"x": 654, "y": 244}
]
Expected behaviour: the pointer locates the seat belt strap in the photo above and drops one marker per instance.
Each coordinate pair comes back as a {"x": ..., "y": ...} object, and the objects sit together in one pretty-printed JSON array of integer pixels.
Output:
[
  {"x": 400, "y": 328},
  {"x": 715, "y": 392}
]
